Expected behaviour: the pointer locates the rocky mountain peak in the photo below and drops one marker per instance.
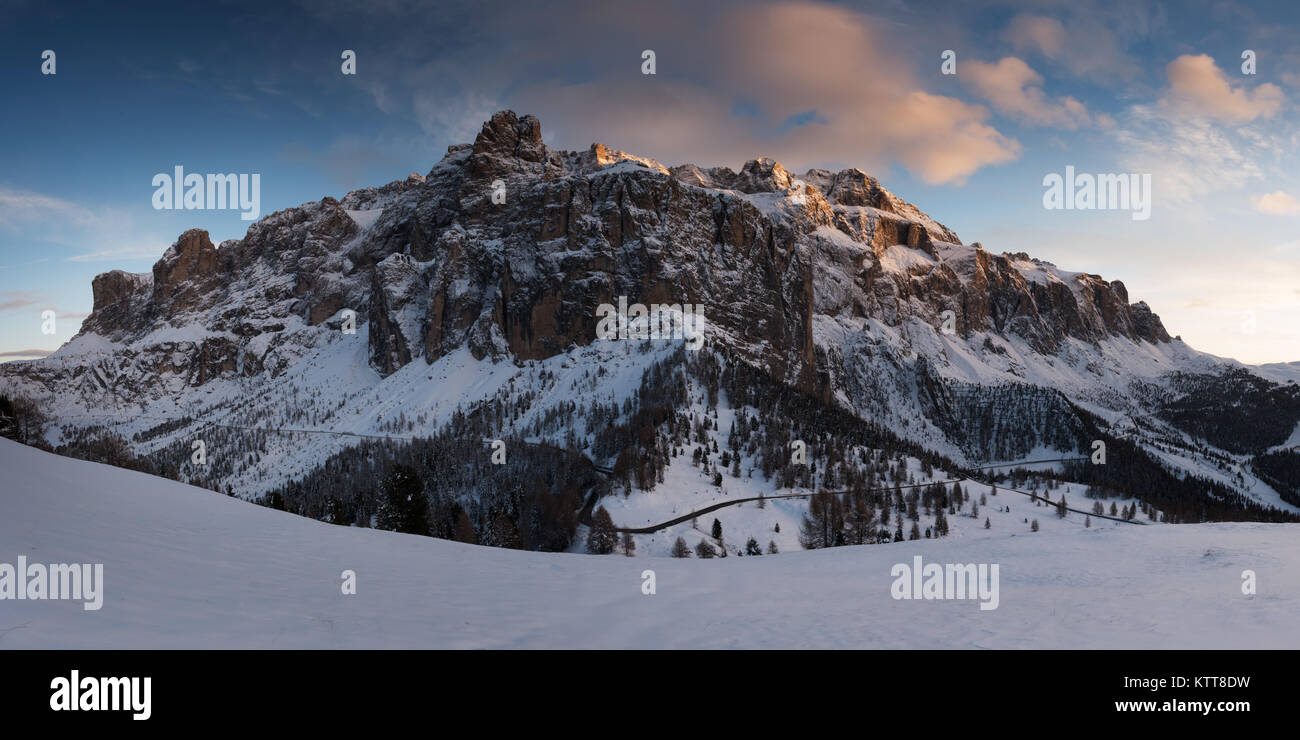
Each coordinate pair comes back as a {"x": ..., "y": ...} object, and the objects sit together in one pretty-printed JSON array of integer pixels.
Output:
[
  {"x": 508, "y": 135},
  {"x": 763, "y": 175},
  {"x": 187, "y": 269}
]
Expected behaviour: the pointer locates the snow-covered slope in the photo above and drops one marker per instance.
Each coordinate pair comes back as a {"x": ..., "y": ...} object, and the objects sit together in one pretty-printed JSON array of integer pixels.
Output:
[{"x": 186, "y": 567}]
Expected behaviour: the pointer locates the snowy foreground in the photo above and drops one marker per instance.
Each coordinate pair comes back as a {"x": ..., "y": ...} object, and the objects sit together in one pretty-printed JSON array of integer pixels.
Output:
[{"x": 185, "y": 567}]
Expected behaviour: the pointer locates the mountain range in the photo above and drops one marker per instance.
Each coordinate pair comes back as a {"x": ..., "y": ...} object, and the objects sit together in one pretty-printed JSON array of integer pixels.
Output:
[{"x": 406, "y": 309}]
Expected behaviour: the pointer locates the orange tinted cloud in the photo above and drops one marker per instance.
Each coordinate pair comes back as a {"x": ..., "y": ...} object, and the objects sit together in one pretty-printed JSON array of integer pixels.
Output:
[
  {"x": 1015, "y": 90},
  {"x": 1277, "y": 203},
  {"x": 1197, "y": 86},
  {"x": 829, "y": 67}
]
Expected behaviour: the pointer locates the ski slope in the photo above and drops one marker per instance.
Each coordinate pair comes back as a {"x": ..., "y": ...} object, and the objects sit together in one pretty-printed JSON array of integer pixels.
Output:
[{"x": 186, "y": 567}]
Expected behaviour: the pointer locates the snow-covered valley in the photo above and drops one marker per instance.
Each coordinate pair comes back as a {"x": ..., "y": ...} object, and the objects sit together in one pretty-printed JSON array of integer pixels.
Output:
[{"x": 187, "y": 567}]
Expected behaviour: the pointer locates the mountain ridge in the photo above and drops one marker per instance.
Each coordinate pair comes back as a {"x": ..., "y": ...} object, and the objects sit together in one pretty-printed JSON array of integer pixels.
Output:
[{"x": 1035, "y": 302}]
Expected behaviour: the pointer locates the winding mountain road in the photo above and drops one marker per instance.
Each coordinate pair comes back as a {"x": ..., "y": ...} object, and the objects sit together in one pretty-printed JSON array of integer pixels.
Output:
[{"x": 584, "y": 515}]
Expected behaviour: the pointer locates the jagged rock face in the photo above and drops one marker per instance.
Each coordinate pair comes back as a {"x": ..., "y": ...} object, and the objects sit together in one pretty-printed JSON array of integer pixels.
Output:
[
  {"x": 400, "y": 299},
  {"x": 186, "y": 273},
  {"x": 119, "y": 297},
  {"x": 507, "y": 247}
]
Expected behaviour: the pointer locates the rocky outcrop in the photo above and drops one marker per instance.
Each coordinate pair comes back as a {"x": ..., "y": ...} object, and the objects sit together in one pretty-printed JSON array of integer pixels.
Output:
[
  {"x": 119, "y": 298},
  {"x": 186, "y": 273},
  {"x": 397, "y": 311}
]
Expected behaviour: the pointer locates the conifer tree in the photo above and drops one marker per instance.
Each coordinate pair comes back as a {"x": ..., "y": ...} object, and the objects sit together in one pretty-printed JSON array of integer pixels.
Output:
[
  {"x": 601, "y": 538},
  {"x": 464, "y": 530},
  {"x": 404, "y": 507},
  {"x": 504, "y": 532},
  {"x": 680, "y": 549}
]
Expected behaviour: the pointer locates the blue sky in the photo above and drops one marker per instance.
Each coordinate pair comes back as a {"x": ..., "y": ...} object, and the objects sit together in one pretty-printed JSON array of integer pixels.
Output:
[{"x": 1124, "y": 87}]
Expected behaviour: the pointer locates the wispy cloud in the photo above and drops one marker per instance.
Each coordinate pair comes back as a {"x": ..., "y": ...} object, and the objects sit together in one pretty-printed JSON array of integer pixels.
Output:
[
  {"x": 124, "y": 253},
  {"x": 1088, "y": 48},
  {"x": 23, "y": 208},
  {"x": 38, "y": 218},
  {"x": 15, "y": 299},
  {"x": 1188, "y": 158},
  {"x": 27, "y": 353}
]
